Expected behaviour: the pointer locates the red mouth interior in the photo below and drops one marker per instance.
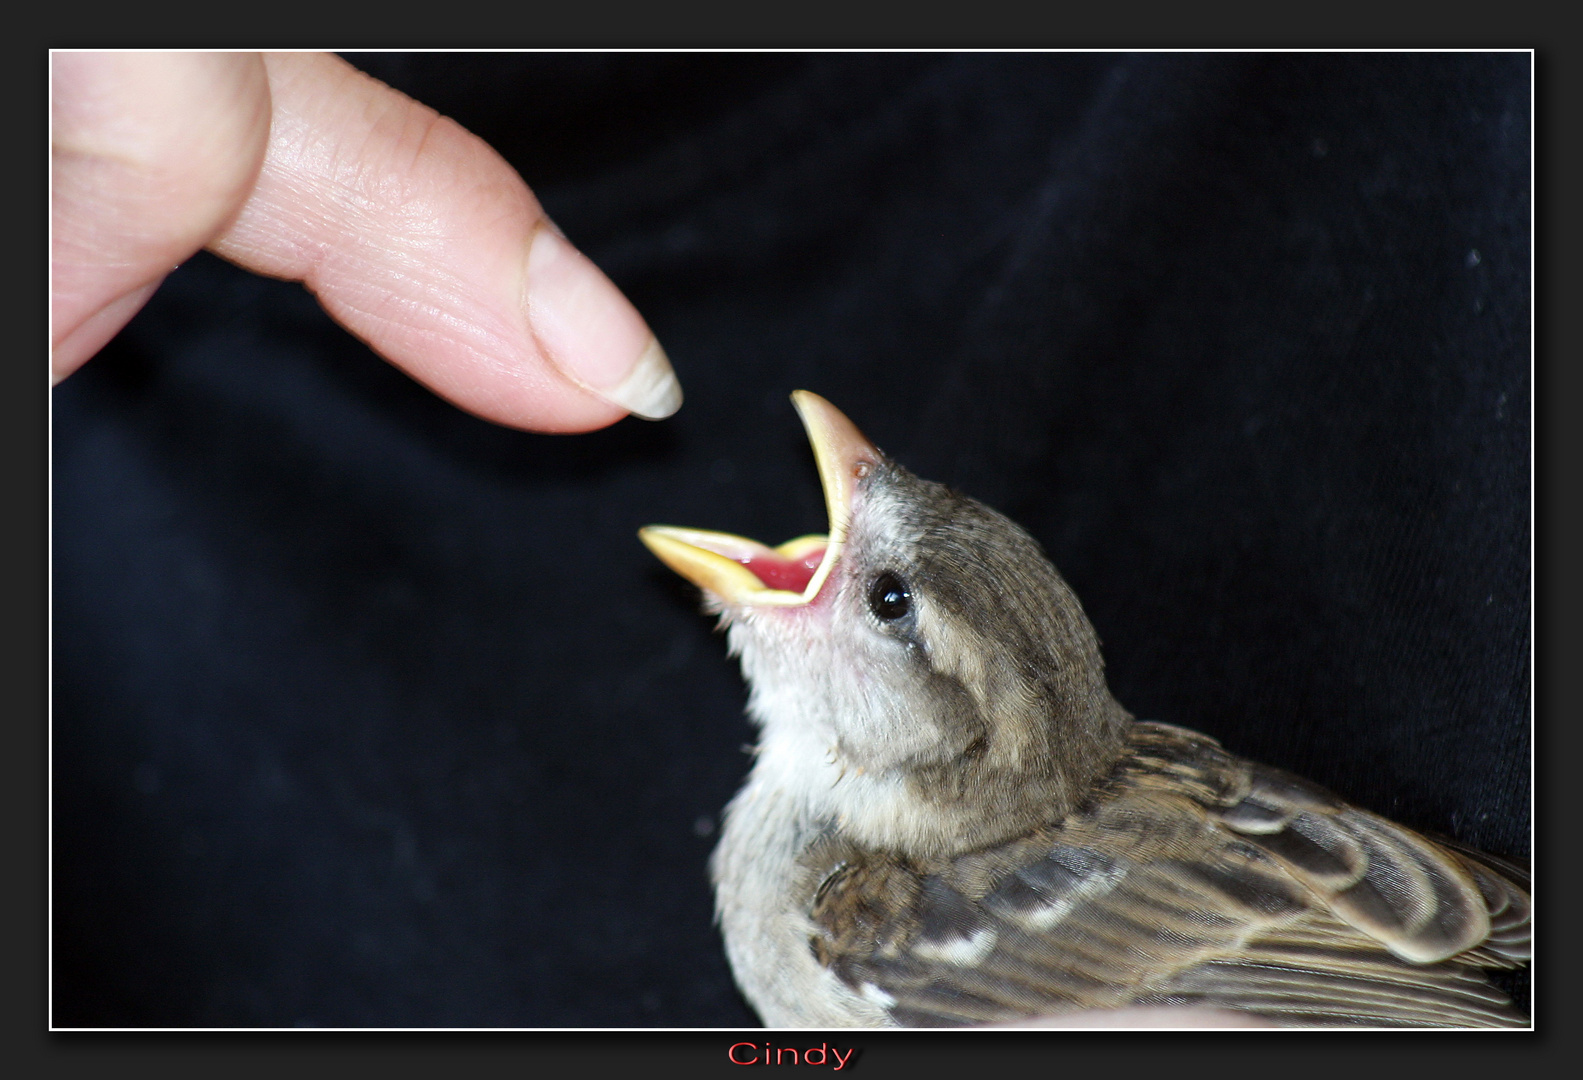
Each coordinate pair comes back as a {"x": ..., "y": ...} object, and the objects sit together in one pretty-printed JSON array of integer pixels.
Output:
[{"x": 777, "y": 572}]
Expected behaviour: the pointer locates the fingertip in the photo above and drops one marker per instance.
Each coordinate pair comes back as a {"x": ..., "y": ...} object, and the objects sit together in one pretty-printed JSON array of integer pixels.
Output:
[
  {"x": 544, "y": 405},
  {"x": 651, "y": 390},
  {"x": 591, "y": 332}
]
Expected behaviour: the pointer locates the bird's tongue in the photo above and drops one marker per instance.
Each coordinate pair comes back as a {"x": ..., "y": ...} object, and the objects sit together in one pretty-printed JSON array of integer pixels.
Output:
[{"x": 779, "y": 572}]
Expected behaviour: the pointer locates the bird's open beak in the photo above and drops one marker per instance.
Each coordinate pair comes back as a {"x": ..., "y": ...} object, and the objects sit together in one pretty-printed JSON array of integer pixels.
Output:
[{"x": 742, "y": 571}]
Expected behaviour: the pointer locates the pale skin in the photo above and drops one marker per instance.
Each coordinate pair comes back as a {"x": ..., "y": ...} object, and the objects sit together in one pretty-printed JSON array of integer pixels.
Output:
[{"x": 413, "y": 233}]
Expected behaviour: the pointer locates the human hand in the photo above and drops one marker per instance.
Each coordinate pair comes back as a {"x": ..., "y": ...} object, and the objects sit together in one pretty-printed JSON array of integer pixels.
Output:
[{"x": 413, "y": 233}]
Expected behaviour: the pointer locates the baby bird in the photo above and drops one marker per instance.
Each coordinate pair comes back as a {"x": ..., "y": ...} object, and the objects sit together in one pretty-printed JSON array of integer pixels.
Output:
[{"x": 950, "y": 820}]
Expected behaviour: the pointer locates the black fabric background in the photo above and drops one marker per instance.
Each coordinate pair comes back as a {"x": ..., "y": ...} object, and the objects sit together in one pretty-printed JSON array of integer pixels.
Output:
[{"x": 368, "y": 712}]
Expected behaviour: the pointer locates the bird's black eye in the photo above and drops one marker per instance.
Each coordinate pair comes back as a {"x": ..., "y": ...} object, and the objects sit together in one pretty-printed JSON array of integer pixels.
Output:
[{"x": 888, "y": 597}]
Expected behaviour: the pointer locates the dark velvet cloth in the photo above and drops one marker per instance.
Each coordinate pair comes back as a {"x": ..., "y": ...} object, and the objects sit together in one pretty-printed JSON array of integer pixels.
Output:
[{"x": 370, "y": 713}]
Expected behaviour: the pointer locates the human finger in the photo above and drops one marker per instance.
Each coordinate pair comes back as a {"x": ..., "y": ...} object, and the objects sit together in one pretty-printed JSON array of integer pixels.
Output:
[{"x": 419, "y": 238}]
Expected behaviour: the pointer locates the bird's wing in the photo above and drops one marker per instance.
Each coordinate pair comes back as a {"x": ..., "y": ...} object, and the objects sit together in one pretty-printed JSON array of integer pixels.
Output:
[
  {"x": 1195, "y": 878},
  {"x": 1506, "y": 889}
]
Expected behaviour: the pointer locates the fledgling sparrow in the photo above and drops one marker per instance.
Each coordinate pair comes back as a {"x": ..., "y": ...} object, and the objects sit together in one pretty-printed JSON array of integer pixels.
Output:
[{"x": 950, "y": 820}]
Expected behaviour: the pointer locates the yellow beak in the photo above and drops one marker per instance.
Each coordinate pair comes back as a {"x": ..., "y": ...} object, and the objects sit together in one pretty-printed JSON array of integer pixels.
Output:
[{"x": 743, "y": 571}]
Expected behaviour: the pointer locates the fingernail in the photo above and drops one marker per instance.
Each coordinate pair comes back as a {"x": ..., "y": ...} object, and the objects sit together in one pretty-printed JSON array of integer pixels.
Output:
[{"x": 592, "y": 333}]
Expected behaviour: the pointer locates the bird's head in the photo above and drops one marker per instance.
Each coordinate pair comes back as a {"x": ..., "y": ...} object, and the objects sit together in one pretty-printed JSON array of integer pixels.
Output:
[{"x": 925, "y": 681}]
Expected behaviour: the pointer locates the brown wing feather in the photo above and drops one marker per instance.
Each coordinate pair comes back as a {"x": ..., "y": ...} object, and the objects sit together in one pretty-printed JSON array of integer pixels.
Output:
[
  {"x": 1505, "y": 887},
  {"x": 1193, "y": 878}
]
